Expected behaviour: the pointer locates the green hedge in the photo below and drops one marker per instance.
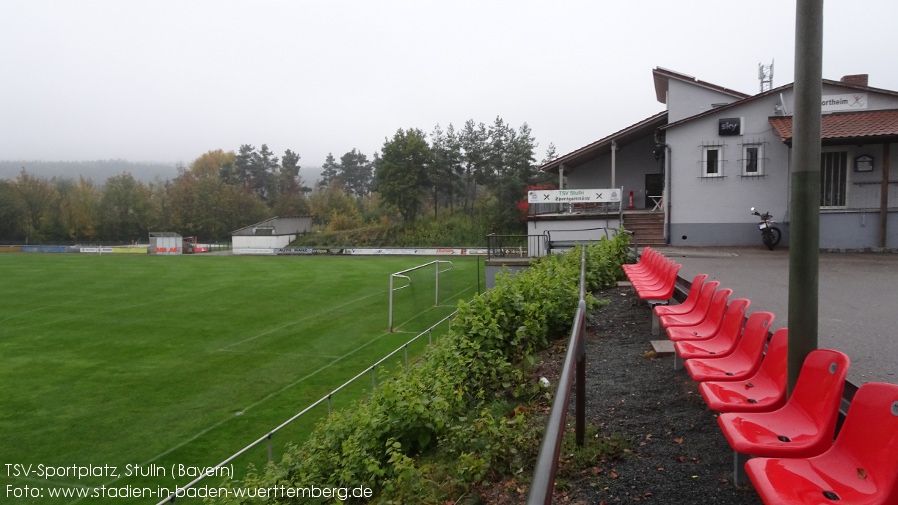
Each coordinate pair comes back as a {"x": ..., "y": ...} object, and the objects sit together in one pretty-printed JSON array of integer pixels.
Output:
[{"x": 459, "y": 414}]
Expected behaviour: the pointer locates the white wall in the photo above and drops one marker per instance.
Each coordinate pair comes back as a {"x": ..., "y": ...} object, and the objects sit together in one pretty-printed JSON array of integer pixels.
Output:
[
  {"x": 576, "y": 228},
  {"x": 262, "y": 244},
  {"x": 726, "y": 199},
  {"x": 715, "y": 211},
  {"x": 686, "y": 99}
]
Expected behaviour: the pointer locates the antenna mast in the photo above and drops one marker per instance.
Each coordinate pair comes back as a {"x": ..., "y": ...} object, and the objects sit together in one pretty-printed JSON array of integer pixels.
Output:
[{"x": 765, "y": 75}]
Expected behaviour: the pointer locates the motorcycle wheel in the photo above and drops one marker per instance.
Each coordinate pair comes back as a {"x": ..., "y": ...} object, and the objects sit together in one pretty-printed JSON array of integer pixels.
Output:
[{"x": 771, "y": 237}]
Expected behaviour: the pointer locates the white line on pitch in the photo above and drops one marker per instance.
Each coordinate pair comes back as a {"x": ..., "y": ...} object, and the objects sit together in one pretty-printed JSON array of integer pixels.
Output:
[
  {"x": 110, "y": 310},
  {"x": 291, "y": 323},
  {"x": 416, "y": 316},
  {"x": 278, "y": 353},
  {"x": 35, "y": 310},
  {"x": 256, "y": 404}
]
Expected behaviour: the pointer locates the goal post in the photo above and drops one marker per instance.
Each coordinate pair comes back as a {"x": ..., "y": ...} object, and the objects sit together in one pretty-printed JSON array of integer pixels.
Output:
[{"x": 411, "y": 277}]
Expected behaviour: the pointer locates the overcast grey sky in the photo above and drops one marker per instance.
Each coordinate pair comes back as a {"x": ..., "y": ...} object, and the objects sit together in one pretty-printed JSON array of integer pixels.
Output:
[{"x": 166, "y": 81}]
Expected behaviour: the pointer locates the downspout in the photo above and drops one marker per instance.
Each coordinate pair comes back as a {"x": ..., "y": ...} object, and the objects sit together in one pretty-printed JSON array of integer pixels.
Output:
[
  {"x": 665, "y": 195},
  {"x": 560, "y": 184},
  {"x": 665, "y": 192},
  {"x": 613, "y": 163}
]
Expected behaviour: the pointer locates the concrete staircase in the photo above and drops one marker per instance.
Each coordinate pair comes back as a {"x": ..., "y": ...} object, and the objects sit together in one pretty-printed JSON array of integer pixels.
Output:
[{"x": 647, "y": 227}]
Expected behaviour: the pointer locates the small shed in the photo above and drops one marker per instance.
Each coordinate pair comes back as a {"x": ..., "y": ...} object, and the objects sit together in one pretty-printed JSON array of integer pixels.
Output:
[
  {"x": 269, "y": 236},
  {"x": 165, "y": 242}
]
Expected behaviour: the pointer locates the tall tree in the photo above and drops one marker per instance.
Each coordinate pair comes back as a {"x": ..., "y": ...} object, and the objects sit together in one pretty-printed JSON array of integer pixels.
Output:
[
  {"x": 515, "y": 172},
  {"x": 444, "y": 173},
  {"x": 266, "y": 168},
  {"x": 125, "y": 209},
  {"x": 355, "y": 173},
  {"x": 550, "y": 154},
  {"x": 402, "y": 171},
  {"x": 11, "y": 217},
  {"x": 290, "y": 199},
  {"x": 288, "y": 176},
  {"x": 34, "y": 196},
  {"x": 330, "y": 171},
  {"x": 473, "y": 140},
  {"x": 335, "y": 208},
  {"x": 500, "y": 139},
  {"x": 256, "y": 170},
  {"x": 75, "y": 212},
  {"x": 217, "y": 163},
  {"x": 181, "y": 204},
  {"x": 220, "y": 208},
  {"x": 243, "y": 166}
]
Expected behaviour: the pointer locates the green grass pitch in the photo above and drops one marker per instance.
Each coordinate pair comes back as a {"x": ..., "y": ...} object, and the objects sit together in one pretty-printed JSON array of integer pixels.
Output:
[{"x": 149, "y": 360}]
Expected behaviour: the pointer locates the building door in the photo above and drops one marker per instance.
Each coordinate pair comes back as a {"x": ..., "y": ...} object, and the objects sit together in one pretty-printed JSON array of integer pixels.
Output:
[{"x": 654, "y": 187}]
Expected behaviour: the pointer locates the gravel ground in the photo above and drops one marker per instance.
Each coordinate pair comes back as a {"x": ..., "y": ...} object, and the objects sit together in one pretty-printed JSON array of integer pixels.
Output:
[{"x": 679, "y": 455}]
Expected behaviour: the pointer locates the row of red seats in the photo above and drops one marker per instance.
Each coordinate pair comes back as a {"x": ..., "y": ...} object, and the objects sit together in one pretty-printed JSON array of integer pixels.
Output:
[
  {"x": 798, "y": 457},
  {"x": 654, "y": 277}
]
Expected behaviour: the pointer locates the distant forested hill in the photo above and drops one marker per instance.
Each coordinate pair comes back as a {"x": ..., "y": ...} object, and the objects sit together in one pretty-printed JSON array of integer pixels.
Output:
[{"x": 98, "y": 170}]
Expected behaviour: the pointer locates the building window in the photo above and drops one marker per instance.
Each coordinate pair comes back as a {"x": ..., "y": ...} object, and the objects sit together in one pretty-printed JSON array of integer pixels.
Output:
[
  {"x": 833, "y": 178},
  {"x": 712, "y": 161},
  {"x": 752, "y": 159}
]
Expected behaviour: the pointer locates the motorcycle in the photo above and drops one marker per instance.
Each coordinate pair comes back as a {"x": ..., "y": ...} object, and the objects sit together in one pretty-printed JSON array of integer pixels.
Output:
[{"x": 770, "y": 234}]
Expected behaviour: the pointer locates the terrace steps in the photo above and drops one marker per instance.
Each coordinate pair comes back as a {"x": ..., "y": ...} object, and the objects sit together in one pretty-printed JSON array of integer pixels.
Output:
[{"x": 647, "y": 227}]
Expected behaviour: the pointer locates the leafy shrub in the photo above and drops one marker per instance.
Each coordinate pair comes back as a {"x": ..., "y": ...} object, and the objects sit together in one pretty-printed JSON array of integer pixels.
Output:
[{"x": 464, "y": 401}]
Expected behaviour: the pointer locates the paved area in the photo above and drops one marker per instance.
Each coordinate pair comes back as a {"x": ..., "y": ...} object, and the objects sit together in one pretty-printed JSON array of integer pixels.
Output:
[{"x": 858, "y": 298}]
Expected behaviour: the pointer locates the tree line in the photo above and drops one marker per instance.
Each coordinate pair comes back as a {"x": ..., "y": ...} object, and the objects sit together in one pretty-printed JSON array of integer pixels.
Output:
[{"x": 478, "y": 167}]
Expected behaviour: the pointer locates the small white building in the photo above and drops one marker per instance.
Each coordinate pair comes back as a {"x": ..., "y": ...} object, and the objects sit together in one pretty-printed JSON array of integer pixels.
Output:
[{"x": 270, "y": 236}]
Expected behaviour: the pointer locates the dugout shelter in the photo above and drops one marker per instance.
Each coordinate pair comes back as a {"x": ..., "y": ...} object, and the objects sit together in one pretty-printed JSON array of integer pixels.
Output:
[{"x": 165, "y": 243}]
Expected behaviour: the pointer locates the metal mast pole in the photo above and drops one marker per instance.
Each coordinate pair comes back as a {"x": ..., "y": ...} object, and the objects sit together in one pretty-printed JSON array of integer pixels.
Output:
[{"x": 804, "y": 243}]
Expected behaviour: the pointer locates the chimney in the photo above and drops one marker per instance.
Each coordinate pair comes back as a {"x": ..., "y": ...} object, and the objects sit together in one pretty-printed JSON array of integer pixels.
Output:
[{"x": 856, "y": 79}]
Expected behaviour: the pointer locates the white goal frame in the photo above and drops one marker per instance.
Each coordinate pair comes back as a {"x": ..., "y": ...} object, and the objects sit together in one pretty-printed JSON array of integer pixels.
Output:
[{"x": 401, "y": 275}]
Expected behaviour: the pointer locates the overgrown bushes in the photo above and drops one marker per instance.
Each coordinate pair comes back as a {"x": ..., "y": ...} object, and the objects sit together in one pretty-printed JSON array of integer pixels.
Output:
[
  {"x": 457, "y": 229},
  {"x": 461, "y": 414}
]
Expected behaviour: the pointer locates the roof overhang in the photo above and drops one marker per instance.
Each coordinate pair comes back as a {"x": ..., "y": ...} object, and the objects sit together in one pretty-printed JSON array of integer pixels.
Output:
[
  {"x": 603, "y": 146},
  {"x": 662, "y": 77}
]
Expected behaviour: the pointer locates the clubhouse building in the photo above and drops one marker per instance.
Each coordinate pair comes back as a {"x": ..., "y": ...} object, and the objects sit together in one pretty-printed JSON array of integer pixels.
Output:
[{"x": 689, "y": 174}]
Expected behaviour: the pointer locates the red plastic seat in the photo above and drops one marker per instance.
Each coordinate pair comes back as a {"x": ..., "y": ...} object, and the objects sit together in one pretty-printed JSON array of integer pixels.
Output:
[
  {"x": 731, "y": 331},
  {"x": 647, "y": 266},
  {"x": 860, "y": 468},
  {"x": 652, "y": 278},
  {"x": 690, "y": 303},
  {"x": 648, "y": 254},
  {"x": 762, "y": 392},
  {"x": 695, "y": 316},
  {"x": 665, "y": 288},
  {"x": 709, "y": 326},
  {"x": 805, "y": 425},
  {"x": 742, "y": 363}
]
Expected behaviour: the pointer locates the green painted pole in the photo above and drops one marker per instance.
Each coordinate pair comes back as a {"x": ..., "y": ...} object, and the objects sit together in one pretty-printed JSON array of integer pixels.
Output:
[{"x": 804, "y": 242}]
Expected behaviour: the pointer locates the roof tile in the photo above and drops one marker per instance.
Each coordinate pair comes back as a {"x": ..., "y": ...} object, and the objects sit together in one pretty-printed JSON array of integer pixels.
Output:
[{"x": 844, "y": 126}]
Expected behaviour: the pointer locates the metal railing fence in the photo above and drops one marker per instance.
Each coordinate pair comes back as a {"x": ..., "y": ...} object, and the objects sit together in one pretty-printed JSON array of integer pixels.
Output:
[
  {"x": 267, "y": 438},
  {"x": 515, "y": 246},
  {"x": 543, "y": 482}
]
